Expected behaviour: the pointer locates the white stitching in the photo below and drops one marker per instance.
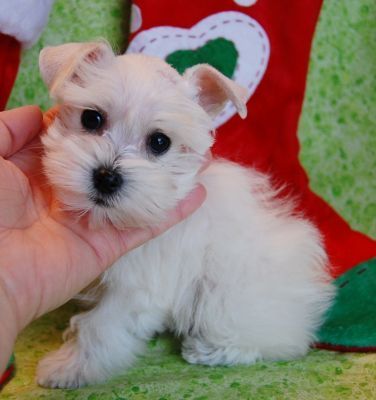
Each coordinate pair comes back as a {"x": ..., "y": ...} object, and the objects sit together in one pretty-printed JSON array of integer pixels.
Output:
[{"x": 212, "y": 28}]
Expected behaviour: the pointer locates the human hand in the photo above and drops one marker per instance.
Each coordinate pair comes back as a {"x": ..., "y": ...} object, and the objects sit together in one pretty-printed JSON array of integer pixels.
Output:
[{"x": 47, "y": 256}]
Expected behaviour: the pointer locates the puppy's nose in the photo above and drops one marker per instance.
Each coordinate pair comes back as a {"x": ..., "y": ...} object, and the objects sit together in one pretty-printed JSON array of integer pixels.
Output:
[{"x": 107, "y": 180}]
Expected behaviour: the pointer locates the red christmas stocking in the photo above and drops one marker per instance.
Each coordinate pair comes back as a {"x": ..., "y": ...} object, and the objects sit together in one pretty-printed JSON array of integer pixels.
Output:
[
  {"x": 265, "y": 47},
  {"x": 10, "y": 50}
]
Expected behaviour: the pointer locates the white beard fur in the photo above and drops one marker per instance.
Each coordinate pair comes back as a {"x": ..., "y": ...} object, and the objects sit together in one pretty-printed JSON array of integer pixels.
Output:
[{"x": 242, "y": 279}]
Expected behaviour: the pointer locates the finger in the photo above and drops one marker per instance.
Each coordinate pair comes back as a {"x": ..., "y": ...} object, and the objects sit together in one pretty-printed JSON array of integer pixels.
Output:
[
  {"x": 133, "y": 238},
  {"x": 49, "y": 116},
  {"x": 208, "y": 159},
  {"x": 110, "y": 243},
  {"x": 17, "y": 128}
]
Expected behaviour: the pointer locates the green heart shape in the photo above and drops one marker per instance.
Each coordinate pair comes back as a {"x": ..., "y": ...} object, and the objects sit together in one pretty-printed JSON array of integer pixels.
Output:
[{"x": 220, "y": 53}]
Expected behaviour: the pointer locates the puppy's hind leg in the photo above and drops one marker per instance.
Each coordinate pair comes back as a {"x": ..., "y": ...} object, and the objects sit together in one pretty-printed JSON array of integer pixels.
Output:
[
  {"x": 198, "y": 350},
  {"x": 212, "y": 337}
]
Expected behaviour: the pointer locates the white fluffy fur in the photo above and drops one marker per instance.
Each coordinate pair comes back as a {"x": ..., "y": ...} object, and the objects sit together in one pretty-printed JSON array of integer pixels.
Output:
[{"x": 242, "y": 279}]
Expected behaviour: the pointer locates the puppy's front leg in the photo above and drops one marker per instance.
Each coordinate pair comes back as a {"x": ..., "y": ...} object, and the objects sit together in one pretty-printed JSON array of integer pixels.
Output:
[{"x": 99, "y": 343}]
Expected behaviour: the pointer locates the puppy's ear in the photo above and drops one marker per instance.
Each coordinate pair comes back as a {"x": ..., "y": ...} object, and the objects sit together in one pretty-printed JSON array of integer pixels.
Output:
[
  {"x": 214, "y": 90},
  {"x": 67, "y": 62}
]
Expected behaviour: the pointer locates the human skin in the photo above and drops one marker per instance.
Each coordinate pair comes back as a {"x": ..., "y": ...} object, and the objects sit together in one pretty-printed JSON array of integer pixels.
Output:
[{"x": 46, "y": 255}]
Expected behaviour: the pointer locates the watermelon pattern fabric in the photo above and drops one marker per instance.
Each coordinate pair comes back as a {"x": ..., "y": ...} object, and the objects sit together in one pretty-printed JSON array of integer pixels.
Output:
[{"x": 351, "y": 324}]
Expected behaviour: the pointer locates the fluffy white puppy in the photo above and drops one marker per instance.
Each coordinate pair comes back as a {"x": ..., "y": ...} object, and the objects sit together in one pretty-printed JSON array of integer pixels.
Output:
[{"x": 242, "y": 279}]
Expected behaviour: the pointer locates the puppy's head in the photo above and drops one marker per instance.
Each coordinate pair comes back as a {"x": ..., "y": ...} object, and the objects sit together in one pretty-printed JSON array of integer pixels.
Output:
[{"x": 131, "y": 133}]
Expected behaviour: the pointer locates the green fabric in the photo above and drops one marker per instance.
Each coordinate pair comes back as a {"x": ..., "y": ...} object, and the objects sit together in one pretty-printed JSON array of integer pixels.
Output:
[
  {"x": 161, "y": 374},
  {"x": 220, "y": 53},
  {"x": 337, "y": 133},
  {"x": 351, "y": 321},
  {"x": 337, "y": 129}
]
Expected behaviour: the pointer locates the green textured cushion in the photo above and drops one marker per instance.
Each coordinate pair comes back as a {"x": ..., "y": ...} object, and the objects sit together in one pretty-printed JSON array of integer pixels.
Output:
[{"x": 161, "y": 374}]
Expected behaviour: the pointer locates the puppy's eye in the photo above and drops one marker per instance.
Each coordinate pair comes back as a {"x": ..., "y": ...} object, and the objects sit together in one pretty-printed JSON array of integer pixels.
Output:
[
  {"x": 92, "y": 120},
  {"x": 158, "y": 143}
]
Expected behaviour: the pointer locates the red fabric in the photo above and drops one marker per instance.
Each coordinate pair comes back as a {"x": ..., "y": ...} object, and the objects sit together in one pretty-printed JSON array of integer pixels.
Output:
[
  {"x": 7, "y": 375},
  {"x": 10, "y": 50},
  {"x": 267, "y": 139},
  {"x": 346, "y": 349}
]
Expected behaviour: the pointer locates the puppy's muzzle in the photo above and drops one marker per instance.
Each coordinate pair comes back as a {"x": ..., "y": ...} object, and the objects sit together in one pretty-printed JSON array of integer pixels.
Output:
[{"x": 107, "y": 181}]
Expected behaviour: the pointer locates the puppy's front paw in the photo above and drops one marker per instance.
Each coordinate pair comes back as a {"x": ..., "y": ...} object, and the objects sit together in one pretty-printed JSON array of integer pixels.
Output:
[{"x": 63, "y": 368}]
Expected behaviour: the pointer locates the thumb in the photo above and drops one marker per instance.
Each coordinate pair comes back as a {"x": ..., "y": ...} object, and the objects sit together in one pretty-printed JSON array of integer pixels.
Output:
[
  {"x": 17, "y": 128},
  {"x": 138, "y": 236}
]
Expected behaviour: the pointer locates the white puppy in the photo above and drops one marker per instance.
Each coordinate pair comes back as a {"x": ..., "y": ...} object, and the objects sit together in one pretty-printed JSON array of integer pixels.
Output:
[{"x": 242, "y": 279}]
